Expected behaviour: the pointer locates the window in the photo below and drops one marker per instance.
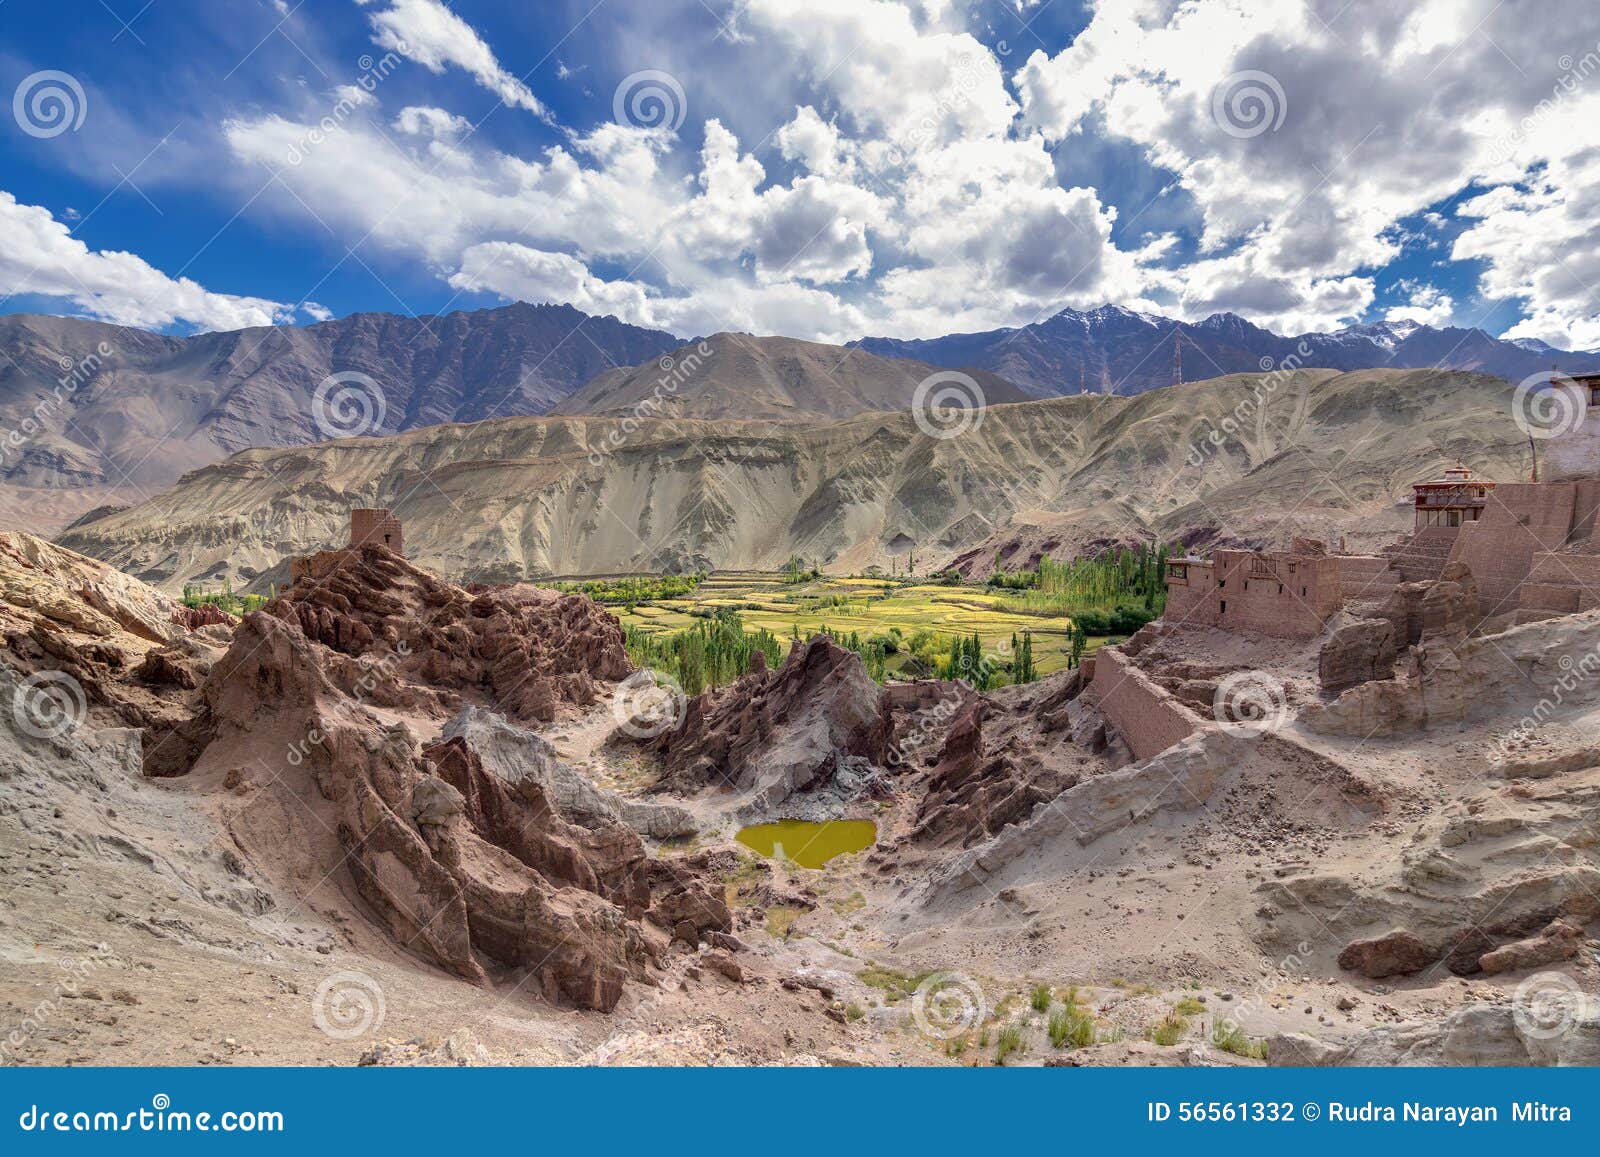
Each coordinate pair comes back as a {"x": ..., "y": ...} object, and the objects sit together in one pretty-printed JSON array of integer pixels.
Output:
[
  {"x": 1302, "y": 592},
  {"x": 1224, "y": 607}
]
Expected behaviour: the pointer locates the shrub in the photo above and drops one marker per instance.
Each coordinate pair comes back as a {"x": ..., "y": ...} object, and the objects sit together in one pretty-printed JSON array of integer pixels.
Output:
[
  {"x": 1169, "y": 1030},
  {"x": 1232, "y": 1039},
  {"x": 1040, "y": 998},
  {"x": 1009, "y": 1041},
  {"x": 1071, "y": 1028}
]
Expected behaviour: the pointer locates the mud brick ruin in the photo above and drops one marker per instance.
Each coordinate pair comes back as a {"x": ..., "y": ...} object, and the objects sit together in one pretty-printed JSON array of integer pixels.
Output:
[
  {"x": 1482, "y": 557},
  {"x": 370, "y": 527}
]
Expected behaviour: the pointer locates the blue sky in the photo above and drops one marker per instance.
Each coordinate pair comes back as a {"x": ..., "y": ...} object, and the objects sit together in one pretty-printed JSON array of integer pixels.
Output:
[{"x": 830, "y": 170}]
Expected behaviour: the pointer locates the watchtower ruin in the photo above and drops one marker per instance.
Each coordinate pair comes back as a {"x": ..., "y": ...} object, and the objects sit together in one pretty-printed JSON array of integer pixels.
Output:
[{"x": 376, "y": 526}]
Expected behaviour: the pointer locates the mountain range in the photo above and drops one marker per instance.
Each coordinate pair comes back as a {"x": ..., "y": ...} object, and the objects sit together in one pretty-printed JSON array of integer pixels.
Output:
[
  {"x": 734, "y": 375},
  {"x": 95, "y": 415},
  {"x": 101, "y": 413},
  {"x": 1119, "y": 351},
  {"x": 1321, "y": 452}
]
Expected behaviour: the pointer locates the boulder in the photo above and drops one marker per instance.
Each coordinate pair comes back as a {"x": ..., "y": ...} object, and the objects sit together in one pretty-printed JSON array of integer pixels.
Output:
[
  {"x": 1354, "y": 651},
  {"x": 1559, "y": 941},
  {"x": 1395, "y": 953}
]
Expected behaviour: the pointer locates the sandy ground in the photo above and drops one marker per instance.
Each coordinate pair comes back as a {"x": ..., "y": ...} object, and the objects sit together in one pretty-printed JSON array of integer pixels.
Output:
[{"x": 131, "y": 934}]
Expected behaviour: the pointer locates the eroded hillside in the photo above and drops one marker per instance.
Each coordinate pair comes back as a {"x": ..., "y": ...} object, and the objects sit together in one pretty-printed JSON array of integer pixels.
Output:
[{"x": 1311, "y": 451}]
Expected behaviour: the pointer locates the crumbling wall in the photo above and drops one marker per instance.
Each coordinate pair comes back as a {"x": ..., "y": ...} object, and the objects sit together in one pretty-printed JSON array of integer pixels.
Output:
[
  {"x": 1147, "y": 716},
  {"x": 1520, "y": 520}
]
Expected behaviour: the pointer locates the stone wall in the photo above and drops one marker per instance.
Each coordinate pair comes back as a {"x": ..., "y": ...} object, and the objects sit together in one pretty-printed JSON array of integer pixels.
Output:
[
  {"x": 1285, "y": 595},
  {"x": 1147, "y": 716},
  {"x": 1575, "y": 455},
  {"x": 1521, "y": 520}
]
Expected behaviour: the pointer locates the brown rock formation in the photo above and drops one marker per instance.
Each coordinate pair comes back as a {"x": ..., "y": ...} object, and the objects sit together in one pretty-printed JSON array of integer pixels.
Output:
[
  {"x": 1391, "y": 954},
  {"x": 1355, "y": 651},
  {"x": 522, "y": 648},
  {"x": 1003, "y": 755},
  {"x": 781, "y": 732},
  {"x": 457, "y": 865},
  {"x": 1560, "y": 940}
]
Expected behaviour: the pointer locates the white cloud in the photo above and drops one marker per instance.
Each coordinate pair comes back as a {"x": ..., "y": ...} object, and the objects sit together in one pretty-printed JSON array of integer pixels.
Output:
[
  {"x": 1385, "y": 111},
  {"x": 41, "y": 257},
  {"x": 1425, "y": 305},
  {"x": 429, "y": 33},
  {"x": 418, "y": 121}
]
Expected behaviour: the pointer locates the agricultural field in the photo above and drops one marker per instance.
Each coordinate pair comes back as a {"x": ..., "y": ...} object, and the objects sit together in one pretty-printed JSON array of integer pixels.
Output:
[{"x": 861, "y": 606}]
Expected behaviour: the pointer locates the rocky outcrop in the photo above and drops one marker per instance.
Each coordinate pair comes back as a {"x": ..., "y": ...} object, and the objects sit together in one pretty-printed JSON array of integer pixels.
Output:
[
  {"x": 470, "y": 869},
  {"x": 1447, "y": 679},
  {"x": 525, "y": 649},
  {"x": 1003, "y": 756},
  {"x": 1355, "y": 651},
  {"x": 1184, "y": 777},
  {"x": 1560, "y": 940},
  {"x": 516, "y": 756},
  {"x": 809, "y": 735},
  {"x": 1491, "y": 883},
  {"x": 1394, "y": 953},
  {"x": 1478, "y": 1036}
]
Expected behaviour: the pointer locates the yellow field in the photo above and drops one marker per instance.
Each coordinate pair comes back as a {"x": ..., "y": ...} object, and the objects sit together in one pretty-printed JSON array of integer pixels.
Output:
[{"x": 870, "y": 606}]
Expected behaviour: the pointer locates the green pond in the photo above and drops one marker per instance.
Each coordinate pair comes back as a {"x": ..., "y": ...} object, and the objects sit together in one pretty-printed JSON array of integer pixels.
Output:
[{"x": 809, "y": 844}]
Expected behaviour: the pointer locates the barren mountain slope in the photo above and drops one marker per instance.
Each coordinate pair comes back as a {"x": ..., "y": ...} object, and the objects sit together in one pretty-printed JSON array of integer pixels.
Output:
[
  {"x": 1323, "y": 453},
  {"x": 735, "y": 375},
  {"x": 109, "y": 413},
  {"x": 1116, "y": 350}
]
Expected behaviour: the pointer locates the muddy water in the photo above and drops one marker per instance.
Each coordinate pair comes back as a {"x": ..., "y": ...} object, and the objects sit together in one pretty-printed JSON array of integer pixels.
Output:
[{"x": 808, "y": 844}]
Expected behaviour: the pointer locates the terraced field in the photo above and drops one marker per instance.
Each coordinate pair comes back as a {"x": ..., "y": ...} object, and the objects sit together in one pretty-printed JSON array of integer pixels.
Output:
[{"x": 870, "y": 606}]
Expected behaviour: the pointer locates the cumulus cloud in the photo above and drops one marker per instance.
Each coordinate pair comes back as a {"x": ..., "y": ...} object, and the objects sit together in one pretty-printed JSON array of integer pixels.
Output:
[
  {"x": 910, "y": 184},
  {"x": 1425, "y": 305},
  {"x": 41, "y": 257},
  {"x": 1373, "y": 112},
  {"x": 427, "y": 32}
]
